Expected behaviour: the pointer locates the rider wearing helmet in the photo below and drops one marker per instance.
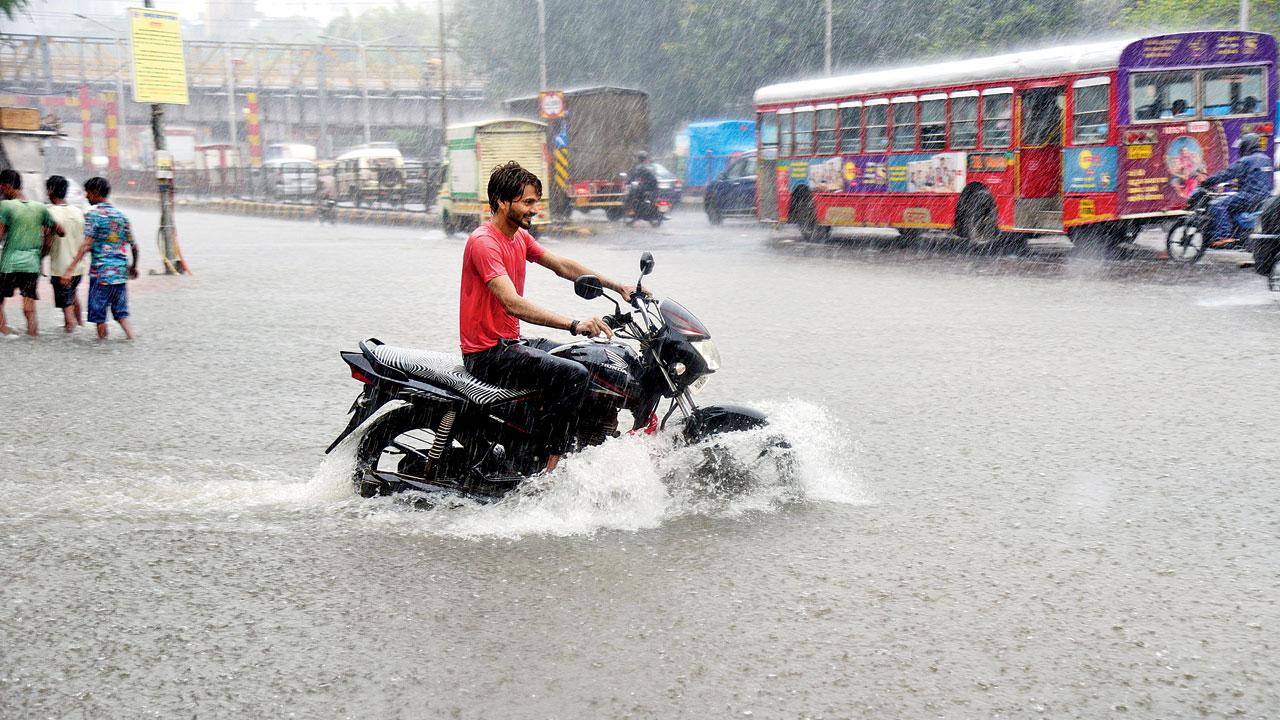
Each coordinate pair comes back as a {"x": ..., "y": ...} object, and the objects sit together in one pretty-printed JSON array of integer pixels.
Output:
[
  {"x": 1254, "y": 173},
  {"x": 644, "y": 179}
]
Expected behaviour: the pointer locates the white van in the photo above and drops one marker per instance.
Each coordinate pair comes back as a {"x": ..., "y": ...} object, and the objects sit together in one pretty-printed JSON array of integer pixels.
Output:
[
  {"x": 290, "y": 179},
  {"x": 368, "y": 174}
]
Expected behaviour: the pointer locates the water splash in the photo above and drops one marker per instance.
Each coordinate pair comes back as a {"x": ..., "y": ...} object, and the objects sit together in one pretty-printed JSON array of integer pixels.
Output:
[{"x": 631, "y": 483}]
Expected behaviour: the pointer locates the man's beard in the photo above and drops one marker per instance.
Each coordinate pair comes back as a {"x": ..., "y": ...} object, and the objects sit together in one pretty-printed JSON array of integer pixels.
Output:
[{"x": 521, "y": 221}]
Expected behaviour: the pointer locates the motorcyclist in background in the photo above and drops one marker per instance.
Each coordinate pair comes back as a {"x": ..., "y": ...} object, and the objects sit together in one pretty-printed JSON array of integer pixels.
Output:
[
  {"x": 1255, "y": 175},
  {"x": 643, "y": 180}
]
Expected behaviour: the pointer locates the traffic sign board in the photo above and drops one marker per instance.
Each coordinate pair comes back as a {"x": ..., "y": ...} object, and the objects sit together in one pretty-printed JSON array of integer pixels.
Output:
[{"x": 551, "y": 104}]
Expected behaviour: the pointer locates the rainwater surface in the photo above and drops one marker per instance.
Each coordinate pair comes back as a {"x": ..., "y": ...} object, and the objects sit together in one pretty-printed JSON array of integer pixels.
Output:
[{"x": 1025, "y": 486}]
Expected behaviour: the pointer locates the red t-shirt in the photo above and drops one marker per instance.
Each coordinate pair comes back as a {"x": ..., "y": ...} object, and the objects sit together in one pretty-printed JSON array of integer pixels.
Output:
[{"x": 482, "y": 321}]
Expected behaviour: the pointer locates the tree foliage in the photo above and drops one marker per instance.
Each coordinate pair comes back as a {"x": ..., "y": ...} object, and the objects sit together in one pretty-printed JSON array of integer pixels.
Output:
[
  {"x": 11, "y": 7},
  {"x": 395, "y": 25},
  {"x": 702, "y": 59},
  {"x": 1264, "y": 15}
]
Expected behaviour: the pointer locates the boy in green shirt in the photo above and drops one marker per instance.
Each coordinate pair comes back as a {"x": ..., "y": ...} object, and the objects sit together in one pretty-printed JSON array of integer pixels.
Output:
[{"x": 25, "y": 228}]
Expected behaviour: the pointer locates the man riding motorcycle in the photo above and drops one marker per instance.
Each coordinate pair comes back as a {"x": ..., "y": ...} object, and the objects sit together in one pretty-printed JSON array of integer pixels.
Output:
[
  {"x": 1255, "y": 175},
  {"x": 492, "y": 304},
  {"x": 643, "y": 182}
]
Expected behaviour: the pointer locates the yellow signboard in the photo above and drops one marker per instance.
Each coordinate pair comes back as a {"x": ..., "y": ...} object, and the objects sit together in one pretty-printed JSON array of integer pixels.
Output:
[{"x": 159, "y": 70}]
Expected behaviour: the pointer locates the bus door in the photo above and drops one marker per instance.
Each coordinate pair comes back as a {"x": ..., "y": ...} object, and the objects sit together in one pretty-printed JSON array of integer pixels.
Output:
[
  {"x": 766, "y": 166},
  {"x": 1039, "y": 203}
]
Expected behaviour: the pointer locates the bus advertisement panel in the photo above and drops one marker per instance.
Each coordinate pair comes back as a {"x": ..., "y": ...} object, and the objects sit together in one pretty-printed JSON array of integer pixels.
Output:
[{"x": 1107, "y": 136}]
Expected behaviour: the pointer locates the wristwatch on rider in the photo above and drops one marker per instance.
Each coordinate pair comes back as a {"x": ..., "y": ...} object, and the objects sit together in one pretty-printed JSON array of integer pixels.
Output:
[{"x": 573, "y": 327}]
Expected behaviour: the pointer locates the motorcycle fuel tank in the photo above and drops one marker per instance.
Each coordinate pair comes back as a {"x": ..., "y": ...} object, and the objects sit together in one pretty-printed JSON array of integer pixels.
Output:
[{"x": 615, "y": 368}]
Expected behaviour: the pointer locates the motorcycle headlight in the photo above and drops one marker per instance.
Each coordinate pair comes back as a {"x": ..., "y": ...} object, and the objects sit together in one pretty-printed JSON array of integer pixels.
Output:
[{"x": 709, "y": 352}]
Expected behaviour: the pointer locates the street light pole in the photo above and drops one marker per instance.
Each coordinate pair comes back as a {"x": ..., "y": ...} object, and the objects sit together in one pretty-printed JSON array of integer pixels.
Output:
[
  {"x": 444, "y": 87},
  {"x": 364, "y": 86},
  {"x": 542, "y": 44},
  {"x": 231, "y": 99},
  {"x": 1244, "y": 14},
  {"x": 169, "y": 248},
  {"x": 826, "y": 56}
]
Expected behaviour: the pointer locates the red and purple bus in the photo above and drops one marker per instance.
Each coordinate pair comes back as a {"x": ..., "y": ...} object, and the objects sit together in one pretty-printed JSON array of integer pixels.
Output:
[{"x": 1089, "y": 140}]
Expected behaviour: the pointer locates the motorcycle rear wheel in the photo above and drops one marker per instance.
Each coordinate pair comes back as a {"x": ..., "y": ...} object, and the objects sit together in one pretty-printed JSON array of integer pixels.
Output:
[{"x": 396, "y": 444}]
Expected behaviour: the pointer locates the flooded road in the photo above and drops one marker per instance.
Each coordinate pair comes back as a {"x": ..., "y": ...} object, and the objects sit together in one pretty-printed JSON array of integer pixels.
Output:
[{"x": 1039, "y": 486}]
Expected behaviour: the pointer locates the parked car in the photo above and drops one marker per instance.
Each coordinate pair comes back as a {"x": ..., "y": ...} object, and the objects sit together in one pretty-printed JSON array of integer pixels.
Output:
[
  {"x": 290, "y": 179},
  {"x": 670, "y": 188},
  {"x": 734, "y": 191}
]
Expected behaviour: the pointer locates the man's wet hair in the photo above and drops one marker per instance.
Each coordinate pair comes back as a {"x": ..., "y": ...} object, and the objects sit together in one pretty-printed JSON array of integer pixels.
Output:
[
  {"x": 506, "y": 183},
  {"x": 11, "y": 177},
  {"x": 98, "y": 186},
  {"x": 56, "y": 186}
]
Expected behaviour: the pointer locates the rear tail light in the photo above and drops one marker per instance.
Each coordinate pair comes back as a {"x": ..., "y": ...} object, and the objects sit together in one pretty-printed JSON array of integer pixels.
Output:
[{"x": 361, "y": 376}]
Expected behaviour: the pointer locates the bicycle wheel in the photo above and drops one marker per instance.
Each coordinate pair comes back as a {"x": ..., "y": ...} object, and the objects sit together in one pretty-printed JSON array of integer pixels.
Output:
[{"x": 1186, "y": 241}]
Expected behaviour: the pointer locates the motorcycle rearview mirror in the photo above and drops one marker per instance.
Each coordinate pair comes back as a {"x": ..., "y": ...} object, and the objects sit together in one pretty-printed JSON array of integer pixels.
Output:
[
  {"x": 646, "y": 263},
  {"x": 588, "y": 287}
]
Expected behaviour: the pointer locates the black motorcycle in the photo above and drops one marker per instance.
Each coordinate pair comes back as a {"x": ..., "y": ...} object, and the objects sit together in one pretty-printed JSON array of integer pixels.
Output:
[
  {"x": 1192, "y": 234},
  {"x": 644, "y": 204},
  {"x": 427, "y": 424}
]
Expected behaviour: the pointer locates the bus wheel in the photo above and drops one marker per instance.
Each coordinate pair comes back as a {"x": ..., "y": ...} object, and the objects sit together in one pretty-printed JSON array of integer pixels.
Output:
[
  {"x": 980, "y": 227},
  {"x": 807, "y": 219},
  {"x": 909, "y": 236}
]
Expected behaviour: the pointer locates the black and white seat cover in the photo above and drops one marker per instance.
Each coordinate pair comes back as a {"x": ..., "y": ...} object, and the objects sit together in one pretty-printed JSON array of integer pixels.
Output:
[{"x": 442, "y": 369}]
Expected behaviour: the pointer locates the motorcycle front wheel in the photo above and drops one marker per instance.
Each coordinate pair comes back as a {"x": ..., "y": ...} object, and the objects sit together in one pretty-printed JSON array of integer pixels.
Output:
[{"x": 1186, "y": 241}]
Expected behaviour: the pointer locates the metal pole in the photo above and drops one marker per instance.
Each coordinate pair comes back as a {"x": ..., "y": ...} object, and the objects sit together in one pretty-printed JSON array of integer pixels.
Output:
[
  {"x": 542, "y": 44},
  {"x": 364, "y": 80},
  {"x": 364, "y": 92},
  {"x": 1244, "y": 14},
  {"x": 322, "y": 110},
  {"x": 122, "y": 115},
  {"x": 231, "y": 96},
  {"x": 826, "y": 56},
  {"x": 444, "y": 84},
  {"x": 165, "y": 191}
]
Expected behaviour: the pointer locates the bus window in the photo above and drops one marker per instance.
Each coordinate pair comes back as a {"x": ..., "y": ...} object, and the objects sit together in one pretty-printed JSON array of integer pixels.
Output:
[
  {"x": 1163, "y": 95},
  {"x": 826, "y": 137},
  {"x": 768, "y": 123},
  {"x": 784, "y": 133},
  {"x": 904, "y": 124},
  {"x": 877, "y": 138},
  {"x": 933, "y": 122},
  {"x": 997, "y": 119},
  {"x": 851, "y": 128},
  {"x": 1091, "y": 105},
  {"x": 803, "y": 139},
  {"x": 1234, "y": 91},
  {"x": 964, "y": 122}
]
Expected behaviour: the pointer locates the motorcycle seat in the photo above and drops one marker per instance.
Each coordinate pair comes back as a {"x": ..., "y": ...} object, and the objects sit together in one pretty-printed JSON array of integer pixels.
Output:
[{"x": 441, "y": 368}]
